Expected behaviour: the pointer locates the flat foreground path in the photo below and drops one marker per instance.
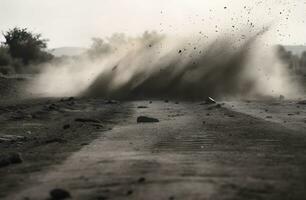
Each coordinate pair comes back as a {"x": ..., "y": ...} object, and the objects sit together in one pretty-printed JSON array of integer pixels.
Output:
[{"x": 194, "y": 152}]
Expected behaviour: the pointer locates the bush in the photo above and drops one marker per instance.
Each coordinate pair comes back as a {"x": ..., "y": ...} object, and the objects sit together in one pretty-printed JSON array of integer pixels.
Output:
[
  {"x": 26, "y": 46},
  {"x": 5, "y": 58}
]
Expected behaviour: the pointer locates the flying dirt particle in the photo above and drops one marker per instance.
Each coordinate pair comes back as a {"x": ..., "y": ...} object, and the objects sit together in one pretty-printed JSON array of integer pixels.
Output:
[
  {"x": 144, "y": 119},
  {"x": 179, "y": 51},
  {"x": 210, "y": 100},
  {"x": 58, "y": 194}
]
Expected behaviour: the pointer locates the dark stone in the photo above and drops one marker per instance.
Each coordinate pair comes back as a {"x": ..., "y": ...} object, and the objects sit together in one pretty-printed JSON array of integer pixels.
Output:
[
  {"x": 58, "y": 194},
  {"x": 111, "y": 102},
  {"x": 144, "y": 119},
  {"x": 12, "y": 158},
  {"x": 141, "y": 180},
  {"x": 66, "y": 126},
  {"x": 55, "y": 140},
  {"x": 85, "y": 120},
  {"x": 142, "y": 107},
  {"x": 302, "y": 102},
  {"x": 15, "y": 158},
  {"x": 129, "y": 192}
]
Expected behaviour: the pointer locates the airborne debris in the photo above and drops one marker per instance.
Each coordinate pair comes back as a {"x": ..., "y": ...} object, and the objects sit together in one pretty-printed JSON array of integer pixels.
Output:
[
  {"x": 144, "y": 119},
  {"x": 58, "y": 194},
  {"x": 210, "y": 100}
]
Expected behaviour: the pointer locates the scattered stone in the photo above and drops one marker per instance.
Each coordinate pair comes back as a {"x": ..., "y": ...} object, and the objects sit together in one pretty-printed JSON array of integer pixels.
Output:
[
  {"x": 58, "y": 194},
  {"x": 269, "y": 117},
  {"x": 52, "y": 107},
  {"x": 150, "y": 102},
  {"x": 302, "y": 102},
  {"x": 177, "y": 102},
  {"x": 55, "y": 140},
  {"x": 12, "y": 158},
  {"x": 112, "y": 102},
  {"x": 204, "y": 122},
  {"x": 142, "y": 107},
  {"x": 86, "y": 120},
  {"x": 141, "y": 180},
  {"x": 281, "y": 97},
  {"x": 129, "y": 192},
  {"x": 144, "y": 119},
  {"x": 66, "y": 126},
  {"x": 166, "y": 101}
]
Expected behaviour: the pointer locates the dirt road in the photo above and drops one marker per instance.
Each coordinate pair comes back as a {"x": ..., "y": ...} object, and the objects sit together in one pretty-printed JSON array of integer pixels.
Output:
[{"x": 195, "y": 152}]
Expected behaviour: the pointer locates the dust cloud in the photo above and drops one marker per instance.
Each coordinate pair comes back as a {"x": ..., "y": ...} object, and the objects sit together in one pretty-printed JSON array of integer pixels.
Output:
[{"x": 162, "y": 66}]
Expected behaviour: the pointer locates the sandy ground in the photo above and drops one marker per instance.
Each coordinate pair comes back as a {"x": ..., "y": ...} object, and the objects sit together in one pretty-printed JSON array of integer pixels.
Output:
[{"x": 241, "y": 150}]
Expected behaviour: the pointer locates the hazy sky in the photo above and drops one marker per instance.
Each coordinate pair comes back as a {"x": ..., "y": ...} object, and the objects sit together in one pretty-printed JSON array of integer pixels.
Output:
[{"x": 75, "y": 22}]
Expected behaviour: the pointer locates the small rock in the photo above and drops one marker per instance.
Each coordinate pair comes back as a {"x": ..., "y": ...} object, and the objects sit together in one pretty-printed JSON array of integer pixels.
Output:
[
  {"x": 141, "y": 180},
  {"x": 129, "y": 192},
  {"x": 112, "y": 102},
  {"x": 144, "y": 119},
  {"x": 58, "y": 194},
  {"x": 66, "y": 126},
  {"x": 302, "y": 102},
  {"x": 142, "y": 107},
  {"x": 12, "y": 158},
  {"x": 55, "y": 140},
  {"x": 281, "y": 97},
  {"x": 85, "y": 120}
]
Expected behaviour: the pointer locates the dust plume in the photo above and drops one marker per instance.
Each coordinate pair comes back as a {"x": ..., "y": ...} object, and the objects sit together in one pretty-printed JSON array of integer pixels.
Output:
[{"x": 161, "y": 66}]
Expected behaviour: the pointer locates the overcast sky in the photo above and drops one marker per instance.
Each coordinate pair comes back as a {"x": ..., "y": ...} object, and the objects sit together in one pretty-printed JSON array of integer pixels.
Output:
[{"x": 75, "y": 22}]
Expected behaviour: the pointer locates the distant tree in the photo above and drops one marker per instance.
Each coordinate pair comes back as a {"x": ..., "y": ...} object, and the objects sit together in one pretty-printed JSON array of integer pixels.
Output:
[
  {"x": 26, "y": 46},
  {"x": 303, "y": 59}
]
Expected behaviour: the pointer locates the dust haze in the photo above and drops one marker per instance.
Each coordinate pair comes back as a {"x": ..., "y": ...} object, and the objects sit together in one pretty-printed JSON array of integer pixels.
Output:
[{"x": 154, "y": 65}]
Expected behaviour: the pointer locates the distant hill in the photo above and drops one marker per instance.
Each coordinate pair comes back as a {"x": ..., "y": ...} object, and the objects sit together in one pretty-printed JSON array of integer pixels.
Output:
[
  {"x": 67, "y": 51},
  {"x": 296, "y": 49}
]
